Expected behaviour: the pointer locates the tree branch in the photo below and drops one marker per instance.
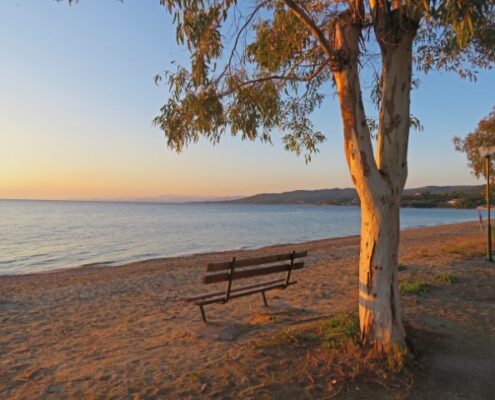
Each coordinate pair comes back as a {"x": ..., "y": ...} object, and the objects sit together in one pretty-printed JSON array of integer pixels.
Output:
[
  {"x": 393, "y": 129},
  {"x": 292, "y": 78},
  {"x": 310, "y": 23},
  {"x": 238, "y": 36}
]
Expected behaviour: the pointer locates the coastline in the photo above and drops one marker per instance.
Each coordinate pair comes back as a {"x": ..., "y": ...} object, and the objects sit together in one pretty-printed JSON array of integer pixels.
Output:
[
  {"x": 77, "y": 234},
  {"x": 208, "y": 254}
]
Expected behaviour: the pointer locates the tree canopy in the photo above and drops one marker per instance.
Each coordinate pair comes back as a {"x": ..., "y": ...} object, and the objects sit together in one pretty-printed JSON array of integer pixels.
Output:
[
  {"x": 483, "y": 135},
  {"x": 265, "y": 65}
]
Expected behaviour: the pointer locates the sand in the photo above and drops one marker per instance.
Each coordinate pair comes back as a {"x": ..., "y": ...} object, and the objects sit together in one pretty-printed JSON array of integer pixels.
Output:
[{"x": 125, "y": 332}]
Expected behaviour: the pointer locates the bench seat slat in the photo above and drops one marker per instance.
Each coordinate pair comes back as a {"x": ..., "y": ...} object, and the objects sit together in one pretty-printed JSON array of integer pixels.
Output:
[
  {"x": 251, "y": 262},
  {"x": 222, "y": 292},
  {"x": 221, "y": 299},
  {"x": 248, "y": 273}
]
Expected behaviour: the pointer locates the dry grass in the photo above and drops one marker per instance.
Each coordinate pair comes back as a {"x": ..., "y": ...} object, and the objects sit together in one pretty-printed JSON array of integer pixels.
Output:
[
  {"x": 332, "y": 359},
  {"x": 424, "y": 252},
  {"x": 464, "y": 248},
  {"x": 454, "y": 249}
]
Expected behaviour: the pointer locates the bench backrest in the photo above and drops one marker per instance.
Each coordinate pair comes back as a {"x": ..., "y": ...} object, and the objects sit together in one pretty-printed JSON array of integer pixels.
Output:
[{"x": 251, "y": 267}]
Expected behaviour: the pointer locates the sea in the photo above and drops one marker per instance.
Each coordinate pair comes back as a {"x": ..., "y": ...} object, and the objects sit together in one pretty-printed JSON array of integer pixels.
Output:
[{"x": 40, "y": 236}]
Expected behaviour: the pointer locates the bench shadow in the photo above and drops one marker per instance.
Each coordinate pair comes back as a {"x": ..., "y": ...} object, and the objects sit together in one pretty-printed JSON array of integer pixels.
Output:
[{"x": 259, "y": 320}]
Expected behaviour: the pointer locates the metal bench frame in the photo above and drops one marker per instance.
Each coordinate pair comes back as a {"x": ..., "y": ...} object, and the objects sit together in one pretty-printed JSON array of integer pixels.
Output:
[{"x": 236, "y": 269}]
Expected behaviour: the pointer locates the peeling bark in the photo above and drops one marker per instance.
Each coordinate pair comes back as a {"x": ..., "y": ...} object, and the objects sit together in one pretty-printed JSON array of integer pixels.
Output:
[
  {"x": 379, "y": 181},
  {"x": 379, "y": 307},
  {"x": 393, "y": 133}
]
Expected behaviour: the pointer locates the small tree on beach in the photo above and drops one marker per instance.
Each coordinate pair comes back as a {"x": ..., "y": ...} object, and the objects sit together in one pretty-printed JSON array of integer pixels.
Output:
[
  {"x": 482, "y": 136},
  {"x": 263, "y": 66}
]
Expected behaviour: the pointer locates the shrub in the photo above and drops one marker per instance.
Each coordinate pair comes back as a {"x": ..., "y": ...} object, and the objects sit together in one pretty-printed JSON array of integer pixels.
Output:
[
  {"x": 331, "y": 333},
  {"x": 413, "y": 287},
  {"x": 446, "y": 278}
]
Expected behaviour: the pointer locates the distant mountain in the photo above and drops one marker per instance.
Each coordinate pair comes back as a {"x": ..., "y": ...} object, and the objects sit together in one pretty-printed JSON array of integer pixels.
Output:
[
  {"x": 184, "y": 199},
  {"x": 426, "y": 196},
  {"x": 300, "y": 196}
]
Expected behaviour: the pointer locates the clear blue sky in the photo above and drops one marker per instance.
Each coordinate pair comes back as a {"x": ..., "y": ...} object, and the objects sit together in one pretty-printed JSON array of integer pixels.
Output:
[{"x": 77, "y": 99}]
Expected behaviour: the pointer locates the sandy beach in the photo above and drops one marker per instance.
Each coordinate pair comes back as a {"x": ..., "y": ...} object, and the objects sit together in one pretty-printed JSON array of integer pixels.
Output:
[{"x": 124, "y": 331}]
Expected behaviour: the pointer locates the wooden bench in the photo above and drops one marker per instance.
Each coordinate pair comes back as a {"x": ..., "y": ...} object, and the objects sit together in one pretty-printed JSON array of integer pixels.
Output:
[{"x": 230, "y": 271}]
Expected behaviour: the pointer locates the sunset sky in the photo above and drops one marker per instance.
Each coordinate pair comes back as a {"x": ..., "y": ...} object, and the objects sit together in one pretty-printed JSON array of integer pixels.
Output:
[{"x": 77, "y": 98}]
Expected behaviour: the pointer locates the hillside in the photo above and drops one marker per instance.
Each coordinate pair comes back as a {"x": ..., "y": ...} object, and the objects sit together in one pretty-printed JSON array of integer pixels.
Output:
[
  {"x": 301, "y": 197},
  {"x": 422, "y": 197}
]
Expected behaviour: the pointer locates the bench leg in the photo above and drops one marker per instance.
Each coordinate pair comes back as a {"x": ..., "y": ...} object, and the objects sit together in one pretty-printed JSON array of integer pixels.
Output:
[
  {"x": 264, "y": 298},
  {"x": 203, "y": 315}
]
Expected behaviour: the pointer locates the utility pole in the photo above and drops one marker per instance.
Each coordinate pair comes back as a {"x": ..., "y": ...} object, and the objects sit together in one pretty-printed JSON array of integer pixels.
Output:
[
  {"x": 487, "y": 152},
  {"x": 489, "y": 230}
]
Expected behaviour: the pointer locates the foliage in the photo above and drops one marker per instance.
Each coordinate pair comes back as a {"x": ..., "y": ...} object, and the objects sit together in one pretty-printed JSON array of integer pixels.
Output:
[
  {"x": 458, "y": 37},
  {"x": 338, "y": 329},
  {"x": 413, "y": 287},
  {"x": 467, "y": 198},
  {"x": 483, "y": 135},
  {"x": 456, "y": 199},
  {"x": 332, "y": 333},
  {"x": 257, "y": 68},
  {"x": 446, "y": 278}
]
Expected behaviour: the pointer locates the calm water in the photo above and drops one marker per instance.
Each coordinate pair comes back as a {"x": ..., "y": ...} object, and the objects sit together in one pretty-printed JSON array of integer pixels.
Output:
[{"x": 44, "y": 235}]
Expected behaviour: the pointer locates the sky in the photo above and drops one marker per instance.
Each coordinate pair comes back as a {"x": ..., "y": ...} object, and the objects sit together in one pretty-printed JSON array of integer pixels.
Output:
[{"x": 77, "y": 100}]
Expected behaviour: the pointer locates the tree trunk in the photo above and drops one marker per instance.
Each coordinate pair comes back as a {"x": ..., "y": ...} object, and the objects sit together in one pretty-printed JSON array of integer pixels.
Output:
[
  {"x": 379, "y": 182},
  {"x": 379, "y": 308}
]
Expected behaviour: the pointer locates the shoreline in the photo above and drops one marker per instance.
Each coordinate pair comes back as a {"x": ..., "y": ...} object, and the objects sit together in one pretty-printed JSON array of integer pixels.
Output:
[{"x": 208, "y": 254}]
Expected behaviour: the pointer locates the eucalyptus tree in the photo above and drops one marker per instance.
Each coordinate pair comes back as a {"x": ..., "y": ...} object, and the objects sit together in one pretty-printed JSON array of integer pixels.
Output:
[{"x": 263, "y": 66}]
